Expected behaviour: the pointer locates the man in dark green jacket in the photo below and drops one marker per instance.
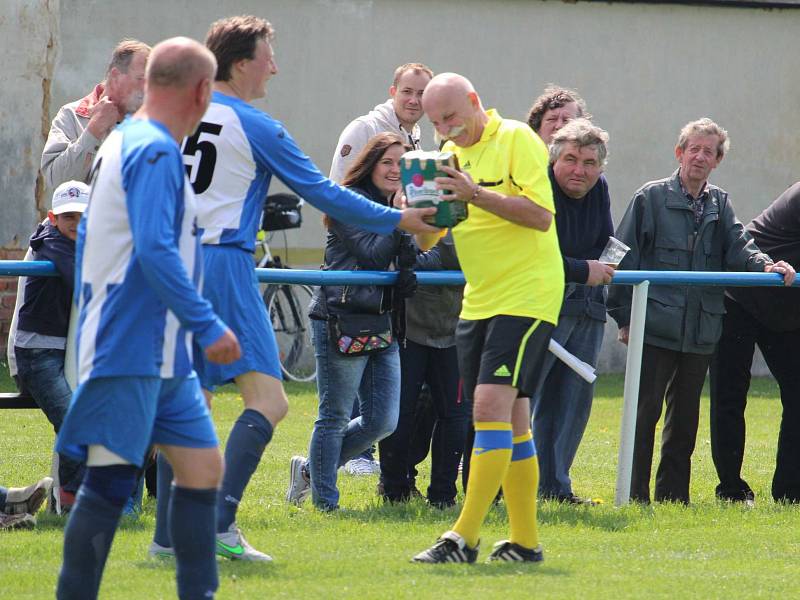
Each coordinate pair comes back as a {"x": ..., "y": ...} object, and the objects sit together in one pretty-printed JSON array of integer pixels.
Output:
[{"x": 681, "y": 223}]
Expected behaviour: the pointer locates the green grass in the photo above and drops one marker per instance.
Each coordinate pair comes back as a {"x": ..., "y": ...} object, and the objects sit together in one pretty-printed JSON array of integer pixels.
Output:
[{"x": 707, "y": 550}]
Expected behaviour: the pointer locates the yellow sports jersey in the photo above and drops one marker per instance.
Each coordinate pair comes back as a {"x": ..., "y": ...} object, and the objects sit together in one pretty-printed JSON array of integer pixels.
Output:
[{"x": 510, "y": 269}]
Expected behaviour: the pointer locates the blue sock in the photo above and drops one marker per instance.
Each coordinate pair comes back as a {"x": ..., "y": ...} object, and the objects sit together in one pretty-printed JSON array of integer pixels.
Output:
[
  {"x": 90, "y": 529},
  {"x": 3, "y": 492},
  {"x": 163, "y": 491},
  {"x": 191, "y": 520},
  {"x": 250, "y": 435}
]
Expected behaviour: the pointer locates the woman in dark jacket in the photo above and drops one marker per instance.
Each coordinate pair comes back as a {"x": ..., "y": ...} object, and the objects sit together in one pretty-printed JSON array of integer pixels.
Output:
[{"x": 374, "y": 377}]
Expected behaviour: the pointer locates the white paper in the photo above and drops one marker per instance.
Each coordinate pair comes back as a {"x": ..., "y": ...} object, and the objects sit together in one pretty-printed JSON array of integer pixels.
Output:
[{"x": 584, "y": 370}]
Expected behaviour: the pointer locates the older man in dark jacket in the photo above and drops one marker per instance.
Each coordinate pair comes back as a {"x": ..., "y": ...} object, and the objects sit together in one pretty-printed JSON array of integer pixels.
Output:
[
  {"x": 563, "y": 401},
  {"x": 768, "y": 317},
  {"x": 681, "y": 223}
]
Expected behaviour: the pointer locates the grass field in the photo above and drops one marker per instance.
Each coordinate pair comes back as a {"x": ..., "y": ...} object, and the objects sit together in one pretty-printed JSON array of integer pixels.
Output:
[{"x": 706, "y": 550}]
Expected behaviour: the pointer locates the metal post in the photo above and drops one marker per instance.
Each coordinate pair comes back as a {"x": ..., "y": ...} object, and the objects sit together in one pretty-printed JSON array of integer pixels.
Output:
[{"x": 633, "y": 369}]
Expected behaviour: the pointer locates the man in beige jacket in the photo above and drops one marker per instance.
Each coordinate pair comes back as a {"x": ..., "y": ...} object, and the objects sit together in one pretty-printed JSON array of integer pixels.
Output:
[{"x": 81, "y": 126}]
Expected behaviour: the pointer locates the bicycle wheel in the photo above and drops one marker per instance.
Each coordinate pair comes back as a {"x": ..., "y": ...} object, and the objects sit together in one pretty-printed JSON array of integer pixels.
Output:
[{"x": 287, "y": 306}]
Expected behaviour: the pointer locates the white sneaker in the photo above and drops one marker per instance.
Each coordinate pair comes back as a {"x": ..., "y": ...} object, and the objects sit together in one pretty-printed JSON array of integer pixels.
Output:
[
  {"x": 232, "y": 544},
  {"x": 299, "y": 482},
  {"x": 362, "y": 467},
  {"x": 159, "y": 551}
]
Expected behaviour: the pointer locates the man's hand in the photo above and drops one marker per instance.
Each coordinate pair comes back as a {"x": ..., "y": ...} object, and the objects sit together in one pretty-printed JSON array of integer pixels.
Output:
[
  {"x": 413, "y": 221},
  {"x": 103, "y": 117},
  {"x": 458, "y": 186},
  {"x": 599, "y": 273},
  {"x": 784, "y": 269},
  {"x": 406, "y": 285},
  {"x": 622, "y": 336},
  {"x": 225, "y": 350}
]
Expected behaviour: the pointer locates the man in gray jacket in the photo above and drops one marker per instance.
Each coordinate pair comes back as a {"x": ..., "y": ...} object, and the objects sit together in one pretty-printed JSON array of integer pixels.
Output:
[
  {"x": 399, "y": 114},
  {"x": 681, "y": 223},
  {"x": 81, "y": 126}
]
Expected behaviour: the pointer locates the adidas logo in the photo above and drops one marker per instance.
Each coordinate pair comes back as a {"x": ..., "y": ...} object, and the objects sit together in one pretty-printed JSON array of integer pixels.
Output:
[
  {"x": 502, "y": 371},
  {"x": 466, "y": 165}
]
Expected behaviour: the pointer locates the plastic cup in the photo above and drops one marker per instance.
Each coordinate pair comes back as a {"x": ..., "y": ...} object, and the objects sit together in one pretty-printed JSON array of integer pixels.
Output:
[{"x": 613, "y": 253}]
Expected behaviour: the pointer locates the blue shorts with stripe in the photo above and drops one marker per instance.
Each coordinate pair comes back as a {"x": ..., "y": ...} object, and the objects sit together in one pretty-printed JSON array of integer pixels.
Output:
[
  {"x": 503, "y": 349},
  {"x": 230, "y": 284},
  {"x": 129, "y": 414}
]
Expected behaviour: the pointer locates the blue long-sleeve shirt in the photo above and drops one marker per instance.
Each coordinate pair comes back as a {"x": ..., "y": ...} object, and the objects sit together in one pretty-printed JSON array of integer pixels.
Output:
[
  {"x": 138, "y": 261},
  {"x": 231, "y": 160}
]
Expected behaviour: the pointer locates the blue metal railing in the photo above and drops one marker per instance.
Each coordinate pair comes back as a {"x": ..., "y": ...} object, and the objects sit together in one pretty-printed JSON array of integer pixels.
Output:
[{"x": 10, "y": 268}]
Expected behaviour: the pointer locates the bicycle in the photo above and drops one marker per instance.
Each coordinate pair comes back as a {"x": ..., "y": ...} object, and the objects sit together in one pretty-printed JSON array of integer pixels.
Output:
[{"x": 286, "y": 304}]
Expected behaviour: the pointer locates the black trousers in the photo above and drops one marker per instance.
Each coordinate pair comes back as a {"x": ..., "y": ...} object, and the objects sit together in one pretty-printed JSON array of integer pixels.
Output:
[
  {"x": 730, "y": 381},
  {"x": 438, "y": 367},
  {"x": 681, "y": 376},
  {"x": 422, "y": 433}
]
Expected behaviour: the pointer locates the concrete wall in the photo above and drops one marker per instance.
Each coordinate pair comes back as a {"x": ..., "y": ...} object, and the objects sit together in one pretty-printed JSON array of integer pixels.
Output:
[
  {"x": 29, "y": 34},
  {"x": 644, "y": 69}
]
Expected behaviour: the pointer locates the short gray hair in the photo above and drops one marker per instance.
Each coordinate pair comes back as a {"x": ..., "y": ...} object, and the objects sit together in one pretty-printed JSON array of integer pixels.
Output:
[
  {"x": 705, "y": 126},
  {"x": 582, "y": 133},
  {"x": 123, "y": 54}
]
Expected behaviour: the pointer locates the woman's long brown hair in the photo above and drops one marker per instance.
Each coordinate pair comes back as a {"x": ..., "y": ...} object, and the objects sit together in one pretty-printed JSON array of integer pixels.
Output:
[{"x": 363, "y": 165}]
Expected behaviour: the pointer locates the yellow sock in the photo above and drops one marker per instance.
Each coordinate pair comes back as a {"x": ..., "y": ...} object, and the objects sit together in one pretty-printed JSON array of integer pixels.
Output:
[
  {"x": 491, "y": 454},
  {"x": 519, "y": 492}
]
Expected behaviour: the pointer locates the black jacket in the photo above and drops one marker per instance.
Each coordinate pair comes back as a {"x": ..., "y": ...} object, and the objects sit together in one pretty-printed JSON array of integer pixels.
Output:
[
  {"x": 47, "y": 300},
  {"x": 350, "y": 248},
  {"x": 777, "y": 232}
]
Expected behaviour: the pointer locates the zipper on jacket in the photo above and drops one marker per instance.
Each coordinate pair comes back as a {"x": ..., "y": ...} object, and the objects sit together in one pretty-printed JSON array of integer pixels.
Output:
[{"x": 345, "y": 288}]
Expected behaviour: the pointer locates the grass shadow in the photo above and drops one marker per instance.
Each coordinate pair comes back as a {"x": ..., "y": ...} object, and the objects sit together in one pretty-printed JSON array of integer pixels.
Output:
[
  {"x": 227, "y": 569},
  {"x": 490, "y": 570},
  {"x": 550, "y": 513},
  {"x": 375, "y": 510},
  {"x": 607, "y": 518},
  {"x": 50, "y": 522}
]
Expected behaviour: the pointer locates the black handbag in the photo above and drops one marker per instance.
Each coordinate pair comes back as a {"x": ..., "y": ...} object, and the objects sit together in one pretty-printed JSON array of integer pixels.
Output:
[{"x": 361, "y": 335}]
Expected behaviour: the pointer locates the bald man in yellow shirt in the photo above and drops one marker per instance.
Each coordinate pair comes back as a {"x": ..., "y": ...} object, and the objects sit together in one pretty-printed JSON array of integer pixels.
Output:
[{"x": 509, "y": 253}]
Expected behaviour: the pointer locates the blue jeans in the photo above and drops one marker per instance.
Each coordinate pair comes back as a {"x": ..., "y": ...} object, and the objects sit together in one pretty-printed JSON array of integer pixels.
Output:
[
  {"x": 41, "y": 372},
  {"x": 375, "y": 381},
  {"x": 562, "y": 403}
]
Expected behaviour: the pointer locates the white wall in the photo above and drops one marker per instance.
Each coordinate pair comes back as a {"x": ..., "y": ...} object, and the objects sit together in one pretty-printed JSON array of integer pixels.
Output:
[{"x": 29, "y": 34}]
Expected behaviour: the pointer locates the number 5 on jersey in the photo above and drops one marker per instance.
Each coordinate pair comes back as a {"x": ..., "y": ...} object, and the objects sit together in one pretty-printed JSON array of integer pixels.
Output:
[{"x": 202, "y": 165}]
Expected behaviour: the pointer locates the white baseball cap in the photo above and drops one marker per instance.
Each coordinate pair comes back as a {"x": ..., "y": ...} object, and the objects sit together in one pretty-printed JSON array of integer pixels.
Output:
[{"x": 70, "y": 196}]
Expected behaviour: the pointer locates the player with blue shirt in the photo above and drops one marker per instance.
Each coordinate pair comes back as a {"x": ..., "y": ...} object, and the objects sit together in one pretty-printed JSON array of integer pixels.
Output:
[
  {"x": 231, "y": 160},
  {"x": 138, "y": 268}
]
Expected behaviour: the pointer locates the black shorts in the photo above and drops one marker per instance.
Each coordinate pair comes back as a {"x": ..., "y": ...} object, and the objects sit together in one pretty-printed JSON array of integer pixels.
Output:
[{"x": 502, "y": 350}]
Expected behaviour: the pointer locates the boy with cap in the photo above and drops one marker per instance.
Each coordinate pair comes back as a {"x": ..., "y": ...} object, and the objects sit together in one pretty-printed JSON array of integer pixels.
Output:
[{"x": 41, "y": 337}]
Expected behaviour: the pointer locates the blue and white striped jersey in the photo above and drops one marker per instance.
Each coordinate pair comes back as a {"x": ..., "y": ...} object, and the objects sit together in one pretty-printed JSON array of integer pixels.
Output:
[
  {"x": 138, "y": 261},
  {"x": 231, "y": 159}
]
